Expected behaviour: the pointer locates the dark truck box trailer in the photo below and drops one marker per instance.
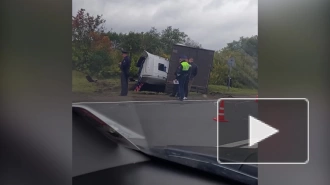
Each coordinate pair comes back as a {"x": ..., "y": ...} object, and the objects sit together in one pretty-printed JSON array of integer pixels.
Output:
[{"x": 204, "y": 60}]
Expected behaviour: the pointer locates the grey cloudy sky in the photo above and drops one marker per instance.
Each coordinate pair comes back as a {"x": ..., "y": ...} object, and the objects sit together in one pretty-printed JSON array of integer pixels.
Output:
[{"x": 212, "y": 23}]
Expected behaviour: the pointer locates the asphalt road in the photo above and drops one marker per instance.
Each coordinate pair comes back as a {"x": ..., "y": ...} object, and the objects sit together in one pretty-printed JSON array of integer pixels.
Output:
[{"x": 188, "y": 123}]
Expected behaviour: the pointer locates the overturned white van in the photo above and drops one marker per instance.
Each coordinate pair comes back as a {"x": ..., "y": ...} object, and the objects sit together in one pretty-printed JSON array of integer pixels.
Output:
[{"x": 153, "y": 69}]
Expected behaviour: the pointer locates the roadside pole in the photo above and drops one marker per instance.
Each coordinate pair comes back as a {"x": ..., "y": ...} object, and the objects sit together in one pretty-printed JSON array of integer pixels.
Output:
[
  {"x": 231, "y": 64},
  {"x": 228, "y": 81}
]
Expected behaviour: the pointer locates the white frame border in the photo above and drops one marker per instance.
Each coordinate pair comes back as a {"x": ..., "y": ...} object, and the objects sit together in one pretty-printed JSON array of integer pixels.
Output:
[{"x": 305, "y": 99}]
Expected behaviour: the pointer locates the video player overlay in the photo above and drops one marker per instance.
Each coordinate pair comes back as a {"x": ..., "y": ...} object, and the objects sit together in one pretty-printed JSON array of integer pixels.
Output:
[{"x": 262, "y": 130}]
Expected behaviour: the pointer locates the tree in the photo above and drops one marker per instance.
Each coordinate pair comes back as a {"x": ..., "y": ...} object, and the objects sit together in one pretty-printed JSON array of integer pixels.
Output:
[
  {"x": 98, "y": 53},
  {"x": 245, "y": 73},
  {"x": 247, "y": 46},
  {"x": 90, "y": 46},
  {"x": 116, "y": 39},
  {"x": 151, "y": 41},
  {"x": 83, "y": 24},
  {"x": 132, "y": 42},
  {"x": 100, "y": 42},
  {"x": 170, "y": 36},
  {"x": 191, "y": 43}
]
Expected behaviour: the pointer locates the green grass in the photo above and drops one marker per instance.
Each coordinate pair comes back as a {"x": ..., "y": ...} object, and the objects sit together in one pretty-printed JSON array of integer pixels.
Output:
[
  {"x": 149, "y": 93},
  {"x": 110, "y": 85},
  {"x": 80, "y": 83},
  {"x": 233, "y": 91}
]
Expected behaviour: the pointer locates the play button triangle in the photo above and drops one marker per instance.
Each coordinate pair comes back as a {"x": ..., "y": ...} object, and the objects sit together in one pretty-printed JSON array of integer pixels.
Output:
[{"x": 259, "y": 131}]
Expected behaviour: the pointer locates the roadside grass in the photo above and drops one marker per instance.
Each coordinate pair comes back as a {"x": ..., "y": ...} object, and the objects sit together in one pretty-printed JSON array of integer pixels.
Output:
[
  {"x": 81, "y": 85},
  {"x": 149, "y": 93},
  {"x": 111, "y": 85},
  {"x": 215, "y": 89}
]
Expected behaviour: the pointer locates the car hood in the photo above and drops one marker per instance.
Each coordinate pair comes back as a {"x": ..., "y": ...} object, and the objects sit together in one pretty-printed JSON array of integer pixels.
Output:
[{"x": 199, "y": 157}]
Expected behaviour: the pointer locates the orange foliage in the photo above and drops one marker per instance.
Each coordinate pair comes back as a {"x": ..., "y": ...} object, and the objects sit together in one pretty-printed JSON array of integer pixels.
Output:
[{"x": 100, "y": 42}]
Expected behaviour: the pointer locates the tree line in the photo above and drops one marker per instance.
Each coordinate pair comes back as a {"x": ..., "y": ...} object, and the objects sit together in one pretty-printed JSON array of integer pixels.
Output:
[
  {"x": 245, "y": 73},
  {"x": 97, "y": 52}
]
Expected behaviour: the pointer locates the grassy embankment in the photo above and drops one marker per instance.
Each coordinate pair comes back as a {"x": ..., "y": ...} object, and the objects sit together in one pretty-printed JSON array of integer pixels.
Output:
[{"x": 81, "y": 85}]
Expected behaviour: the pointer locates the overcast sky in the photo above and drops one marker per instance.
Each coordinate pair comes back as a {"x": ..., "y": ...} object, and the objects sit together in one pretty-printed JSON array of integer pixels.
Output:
[{"x": 212, "y": 23}]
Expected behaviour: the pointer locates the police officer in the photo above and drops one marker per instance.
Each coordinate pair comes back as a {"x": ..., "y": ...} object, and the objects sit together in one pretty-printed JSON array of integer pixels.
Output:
[
  {"x": 192, "y": 74},
  {"x": 125, "y": 65},
  {"x": 182, "y": 74},
  {"x": 176, "y": 86}
]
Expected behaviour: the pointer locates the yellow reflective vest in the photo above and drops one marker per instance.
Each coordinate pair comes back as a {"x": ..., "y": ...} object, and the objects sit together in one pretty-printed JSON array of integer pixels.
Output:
[{"x": 185, "y": 66}]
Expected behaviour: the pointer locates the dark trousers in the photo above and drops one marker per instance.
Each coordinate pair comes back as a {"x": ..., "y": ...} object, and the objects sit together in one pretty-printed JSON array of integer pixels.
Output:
[
  {"x": 124, "y": 84},
  {"x": 182, "y": 80},
  {"x": 175, "y": 90},
  {"x": 186, "y": 87}
]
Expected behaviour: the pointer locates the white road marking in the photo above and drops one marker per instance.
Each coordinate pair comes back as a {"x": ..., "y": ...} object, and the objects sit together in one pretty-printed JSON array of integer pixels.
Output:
[
  {"x": 247, "y": 146},
  {"x": 235, "y": 144},
  {"x": 164, "y": 101},
  {"x": 239, "y": 144},
  {"x": 242, "y": 102}
]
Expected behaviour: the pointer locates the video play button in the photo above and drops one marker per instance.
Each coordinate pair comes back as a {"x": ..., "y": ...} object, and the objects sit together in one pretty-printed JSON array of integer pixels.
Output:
[
  {"x": 259, "y": 131},
  {"x": 275, "y": 130}
]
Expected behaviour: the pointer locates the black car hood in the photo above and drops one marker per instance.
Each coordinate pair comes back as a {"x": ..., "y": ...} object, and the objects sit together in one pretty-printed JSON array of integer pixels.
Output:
[{"x": 204, "y": 158}]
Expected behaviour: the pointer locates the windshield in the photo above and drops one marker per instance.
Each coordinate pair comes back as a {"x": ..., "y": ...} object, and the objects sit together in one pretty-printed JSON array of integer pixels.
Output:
[
  {"x": 158, "y": 91},
  {"x": 178, "y": 136}
]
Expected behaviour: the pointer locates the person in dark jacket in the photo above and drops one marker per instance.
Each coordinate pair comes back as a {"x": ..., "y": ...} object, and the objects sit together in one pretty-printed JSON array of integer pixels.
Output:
[
  {"x": 182, "y": 74},
  {"x": 125, "y": 65},
  {"x": 175, "y": 86},
  {"x": 192, "y": 74}
]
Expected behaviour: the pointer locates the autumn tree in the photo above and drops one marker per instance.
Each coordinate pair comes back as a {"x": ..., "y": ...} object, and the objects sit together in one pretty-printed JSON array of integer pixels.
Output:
[
  {"x": 83, "y": 25},
  {"x": 98, "y": 53},
  {"x": 91, "y": 47},
  {"x": 100, "y": 42}
]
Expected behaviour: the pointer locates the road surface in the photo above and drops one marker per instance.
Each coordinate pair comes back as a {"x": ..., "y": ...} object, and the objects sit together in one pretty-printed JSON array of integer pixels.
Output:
[{"x": 181, "y": 123}]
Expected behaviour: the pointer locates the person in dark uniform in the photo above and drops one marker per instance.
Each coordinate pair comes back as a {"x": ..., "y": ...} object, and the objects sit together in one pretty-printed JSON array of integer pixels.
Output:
[
  {"x": 125, "y": 65},
  {"x": 192, "y": 74},
  {"x": 182, "y": 74},
  {"x": 175, "y": 86}
]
